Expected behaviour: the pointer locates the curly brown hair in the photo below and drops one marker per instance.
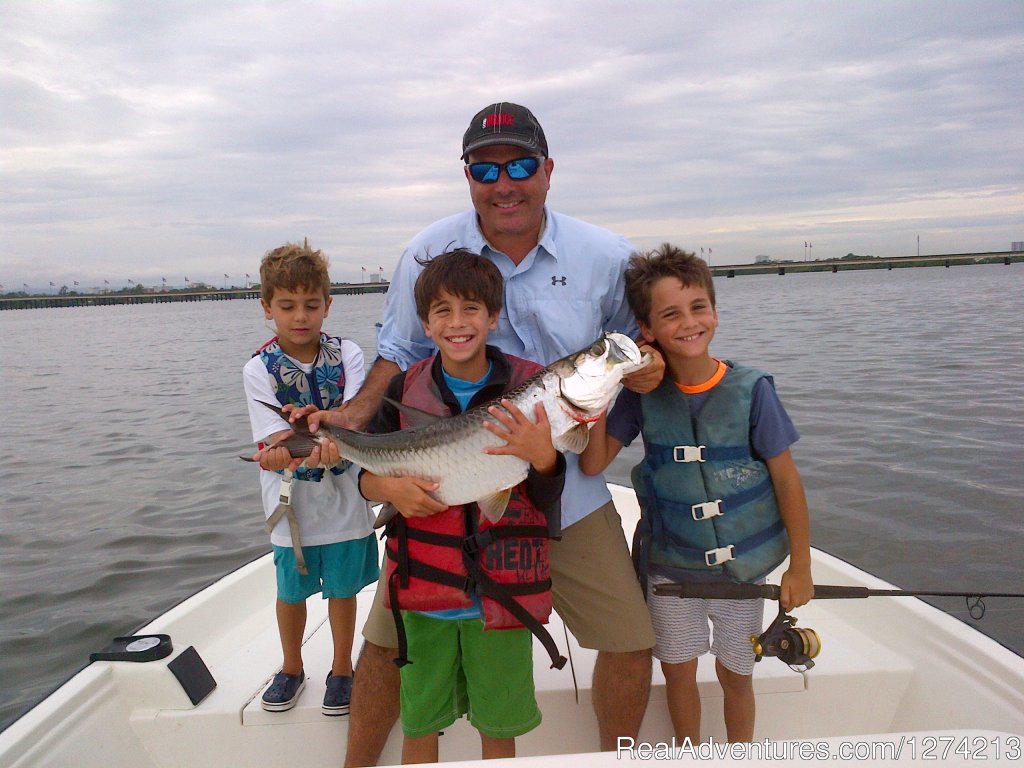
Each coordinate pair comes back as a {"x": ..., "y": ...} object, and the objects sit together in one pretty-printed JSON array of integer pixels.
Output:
[
  {"x": 667, "y": 260},
  {"x": 291, "y": 267}
]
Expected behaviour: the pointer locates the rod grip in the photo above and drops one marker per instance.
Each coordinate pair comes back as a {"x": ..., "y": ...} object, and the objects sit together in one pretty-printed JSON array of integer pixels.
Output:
[{"x": 723, "y": 590}]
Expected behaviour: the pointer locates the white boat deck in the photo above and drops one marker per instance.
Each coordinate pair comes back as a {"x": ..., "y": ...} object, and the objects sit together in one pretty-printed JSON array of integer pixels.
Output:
[{"x": 887, "y": 666}]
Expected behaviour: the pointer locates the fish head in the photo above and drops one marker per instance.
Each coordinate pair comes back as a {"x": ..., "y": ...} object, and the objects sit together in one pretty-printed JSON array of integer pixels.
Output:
[{"x": 590, "y": 378}]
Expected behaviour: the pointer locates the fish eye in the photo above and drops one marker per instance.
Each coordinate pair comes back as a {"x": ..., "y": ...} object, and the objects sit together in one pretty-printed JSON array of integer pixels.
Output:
[{"x": 597, "y": 349}]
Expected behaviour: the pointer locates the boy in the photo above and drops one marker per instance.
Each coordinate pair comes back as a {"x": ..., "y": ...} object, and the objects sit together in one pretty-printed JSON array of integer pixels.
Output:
[
  {"x": 456, "y": 664},
  {"x": 718, "y": 488},
  {"x": 323, "y": 540}
]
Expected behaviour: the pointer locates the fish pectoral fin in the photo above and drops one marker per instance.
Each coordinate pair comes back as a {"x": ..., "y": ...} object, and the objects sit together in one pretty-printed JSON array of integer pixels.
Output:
[
  {"x": 386, "y": 515},
  {"x": 493, "y": 507},
  {"x": 414, "y": 416},
  {"x": 573, "y": 441}
]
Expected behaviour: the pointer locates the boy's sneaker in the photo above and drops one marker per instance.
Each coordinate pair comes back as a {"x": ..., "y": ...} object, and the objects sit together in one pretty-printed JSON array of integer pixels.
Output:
[
  {"x": 283, "y": 692},
  {"x": 338, "y": 695}
]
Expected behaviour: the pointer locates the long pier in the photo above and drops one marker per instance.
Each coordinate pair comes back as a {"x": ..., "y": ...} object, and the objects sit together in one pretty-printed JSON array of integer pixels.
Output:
[
  {"x": 213, "y": 294},
  {"x": 847, "y": 264}
]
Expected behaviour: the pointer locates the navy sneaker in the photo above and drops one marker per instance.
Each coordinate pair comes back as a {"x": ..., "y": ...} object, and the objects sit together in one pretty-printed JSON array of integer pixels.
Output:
[
  {"x": 283, "y": 691},
  {"x": 338, "y": 695}
]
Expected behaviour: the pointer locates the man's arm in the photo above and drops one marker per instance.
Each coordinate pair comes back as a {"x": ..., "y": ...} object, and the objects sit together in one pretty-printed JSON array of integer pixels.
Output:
[{"x": 357, "y": 413}]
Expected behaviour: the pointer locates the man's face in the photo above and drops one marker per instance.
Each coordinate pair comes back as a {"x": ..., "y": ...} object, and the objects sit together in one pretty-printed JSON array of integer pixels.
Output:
[{"x": 509, "y": 207}]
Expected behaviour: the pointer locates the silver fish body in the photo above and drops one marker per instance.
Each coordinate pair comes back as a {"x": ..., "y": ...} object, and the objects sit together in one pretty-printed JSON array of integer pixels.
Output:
[{"x": 574, "y": 391}]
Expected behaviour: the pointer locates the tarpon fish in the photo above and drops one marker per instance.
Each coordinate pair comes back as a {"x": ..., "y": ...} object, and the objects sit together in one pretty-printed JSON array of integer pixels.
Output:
[{"x": 574, "y": 391}]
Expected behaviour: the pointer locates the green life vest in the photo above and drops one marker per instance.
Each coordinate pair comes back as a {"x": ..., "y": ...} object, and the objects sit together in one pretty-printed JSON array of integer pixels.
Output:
[{"x": 707, "y": 504}]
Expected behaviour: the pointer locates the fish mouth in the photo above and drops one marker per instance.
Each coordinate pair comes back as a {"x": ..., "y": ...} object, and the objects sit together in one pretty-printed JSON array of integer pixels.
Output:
[{"x": 596, "y": 373}]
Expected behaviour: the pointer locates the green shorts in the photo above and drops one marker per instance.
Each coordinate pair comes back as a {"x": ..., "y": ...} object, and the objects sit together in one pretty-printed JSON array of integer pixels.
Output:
[
  {"x": 456, "y": 669},
  {"x": 593, "y": 587},
  {"x": 336, "y": 570}
]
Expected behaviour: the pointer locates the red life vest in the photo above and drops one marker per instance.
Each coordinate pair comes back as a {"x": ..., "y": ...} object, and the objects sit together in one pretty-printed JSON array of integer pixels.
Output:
[{"x": 439, "y": 562}]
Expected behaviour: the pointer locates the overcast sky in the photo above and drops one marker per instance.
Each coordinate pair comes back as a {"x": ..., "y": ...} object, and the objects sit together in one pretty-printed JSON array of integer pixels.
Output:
[{"x": 162, "y": 140}]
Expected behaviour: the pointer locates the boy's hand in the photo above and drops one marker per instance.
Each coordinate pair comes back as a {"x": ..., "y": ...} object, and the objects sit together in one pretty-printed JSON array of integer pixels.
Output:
[
  {"x": 272, "y": 457},
  {"x": 649, "y": 377},
  {"x": 326, "y": 454},
  {"x": 796, "y": 589},
  {"x": 524, "y": 439},
  {"x": 409, "y": 495}
]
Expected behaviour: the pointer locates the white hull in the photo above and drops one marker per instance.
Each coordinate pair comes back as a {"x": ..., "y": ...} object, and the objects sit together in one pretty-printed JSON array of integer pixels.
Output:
[{"x": 891, "y": 671}]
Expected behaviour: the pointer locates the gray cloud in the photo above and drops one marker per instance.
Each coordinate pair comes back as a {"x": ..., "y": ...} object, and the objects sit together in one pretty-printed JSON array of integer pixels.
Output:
[{"x": 151, "y": 140}]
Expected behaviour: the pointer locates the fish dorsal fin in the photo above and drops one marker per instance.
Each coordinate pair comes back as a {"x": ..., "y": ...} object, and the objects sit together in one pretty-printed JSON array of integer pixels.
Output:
[
  {"x": 414, "y": 416},
  {"x": 300, "y": 426},
  {"x": 573, "y": 441},
  {"x": 493, "y": 507}
]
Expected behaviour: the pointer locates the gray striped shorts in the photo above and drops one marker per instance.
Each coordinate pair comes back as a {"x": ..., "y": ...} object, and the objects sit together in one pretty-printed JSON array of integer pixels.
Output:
[{"x": 682, "y": 627}]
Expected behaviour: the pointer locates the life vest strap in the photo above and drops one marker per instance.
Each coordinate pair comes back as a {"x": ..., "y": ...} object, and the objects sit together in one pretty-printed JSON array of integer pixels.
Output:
[
  {"x": 285, "y": 510},
  {"x": 723, "y": 506},
  {"x": 659, "y": 455}
]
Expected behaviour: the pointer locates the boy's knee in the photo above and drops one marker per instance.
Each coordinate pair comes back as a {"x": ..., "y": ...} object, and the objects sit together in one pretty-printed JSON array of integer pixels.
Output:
[{"x": 733, "y": 680}]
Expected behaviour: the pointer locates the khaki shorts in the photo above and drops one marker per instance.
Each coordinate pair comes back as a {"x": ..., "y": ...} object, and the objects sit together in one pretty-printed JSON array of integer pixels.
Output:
[{"x": 594, "y": 589}]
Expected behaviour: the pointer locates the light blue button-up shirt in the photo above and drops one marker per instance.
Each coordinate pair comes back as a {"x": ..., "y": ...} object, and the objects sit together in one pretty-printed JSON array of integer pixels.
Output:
[{"x": 563, "y": 296}]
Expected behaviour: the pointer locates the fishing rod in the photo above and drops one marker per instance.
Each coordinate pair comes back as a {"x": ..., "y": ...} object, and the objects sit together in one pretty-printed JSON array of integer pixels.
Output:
[
  {"x": 736, "y": 591},
  {"x": 795, "y": 645}
]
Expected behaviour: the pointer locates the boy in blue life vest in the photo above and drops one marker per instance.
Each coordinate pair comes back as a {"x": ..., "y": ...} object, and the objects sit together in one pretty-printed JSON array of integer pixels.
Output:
[
  {"x": 720, "y": 495},
  {"x": 320, "y": 527},
  {"x": 461, "y": 588}
]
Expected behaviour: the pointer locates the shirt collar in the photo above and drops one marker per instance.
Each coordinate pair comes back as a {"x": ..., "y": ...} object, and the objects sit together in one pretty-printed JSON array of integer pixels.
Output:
[{"x": 545, "y": 245}]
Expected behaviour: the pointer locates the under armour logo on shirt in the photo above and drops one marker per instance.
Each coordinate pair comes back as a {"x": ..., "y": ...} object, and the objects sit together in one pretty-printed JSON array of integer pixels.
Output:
[{"x": 555, "y": 280}]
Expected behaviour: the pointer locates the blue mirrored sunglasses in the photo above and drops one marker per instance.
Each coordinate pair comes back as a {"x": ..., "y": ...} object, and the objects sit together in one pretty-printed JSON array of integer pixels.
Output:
[{"x": 518, "y": 169}]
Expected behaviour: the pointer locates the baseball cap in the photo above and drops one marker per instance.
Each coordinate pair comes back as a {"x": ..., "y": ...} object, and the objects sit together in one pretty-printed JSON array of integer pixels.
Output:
[{"x": 504, "y": 123}]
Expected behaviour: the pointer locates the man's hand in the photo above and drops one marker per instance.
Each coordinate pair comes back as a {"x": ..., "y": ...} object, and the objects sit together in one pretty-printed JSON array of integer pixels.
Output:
[{"x": 649, "y": 377}]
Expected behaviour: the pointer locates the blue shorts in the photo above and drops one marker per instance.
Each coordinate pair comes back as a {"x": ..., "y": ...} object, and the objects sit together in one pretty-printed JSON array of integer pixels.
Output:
[{"x": 336, "y": 570}]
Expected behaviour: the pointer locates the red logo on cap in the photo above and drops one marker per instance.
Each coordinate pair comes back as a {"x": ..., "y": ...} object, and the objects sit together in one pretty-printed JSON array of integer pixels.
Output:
[{"x": 498, "y": 120}]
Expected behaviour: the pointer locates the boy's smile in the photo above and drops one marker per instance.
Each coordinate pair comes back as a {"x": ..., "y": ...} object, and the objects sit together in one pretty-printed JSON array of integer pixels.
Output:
[
  {"x": 298, "y": 317},
  {"x": 683, "y": 322},
  {"x": 459, "y": 328}
]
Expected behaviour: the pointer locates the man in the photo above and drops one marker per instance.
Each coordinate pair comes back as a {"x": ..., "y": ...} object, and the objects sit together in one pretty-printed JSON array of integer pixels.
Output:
[{"x": 563, "y": 288}]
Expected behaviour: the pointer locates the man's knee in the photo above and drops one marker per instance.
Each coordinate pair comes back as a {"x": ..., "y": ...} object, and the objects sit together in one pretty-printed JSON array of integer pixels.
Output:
[
  {"x": 629, "y": 668},
  {"x": 376, "y": 664}
]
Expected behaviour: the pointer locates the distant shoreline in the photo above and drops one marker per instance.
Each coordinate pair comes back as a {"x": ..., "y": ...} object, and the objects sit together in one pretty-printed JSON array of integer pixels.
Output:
[
  {"x": 20, "y": 300},
  {"x": 74, "y": 299}
]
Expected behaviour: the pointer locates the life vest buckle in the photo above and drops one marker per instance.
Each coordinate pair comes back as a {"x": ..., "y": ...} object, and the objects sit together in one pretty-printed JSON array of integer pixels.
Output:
[
  {"x": 707, "y": 509},
  {"x": 718, "y": 556},
  {"x": 285, "y": 495},
  {"x": 687, "y": 454}
]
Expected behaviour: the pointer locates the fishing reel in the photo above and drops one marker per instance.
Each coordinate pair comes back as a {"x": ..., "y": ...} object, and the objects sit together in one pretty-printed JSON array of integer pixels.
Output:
[{"x": 795, "y": 646}]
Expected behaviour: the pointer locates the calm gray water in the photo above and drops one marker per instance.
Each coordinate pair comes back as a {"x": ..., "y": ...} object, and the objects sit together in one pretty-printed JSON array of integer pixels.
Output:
[{"x": 120, "y": 493}]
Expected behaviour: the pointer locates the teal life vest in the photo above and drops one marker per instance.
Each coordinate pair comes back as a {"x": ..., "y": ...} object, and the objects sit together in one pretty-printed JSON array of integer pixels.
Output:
[
  {"x": 707, "y": 504},
  {"x": 324, "y": 386}
]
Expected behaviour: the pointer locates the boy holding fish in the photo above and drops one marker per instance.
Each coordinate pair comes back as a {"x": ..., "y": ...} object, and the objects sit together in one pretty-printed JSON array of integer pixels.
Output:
[
  {"x": 321, "y": 530},
  {"x": 467, "y": 653},
  {"x": 720, "y": 495}
]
